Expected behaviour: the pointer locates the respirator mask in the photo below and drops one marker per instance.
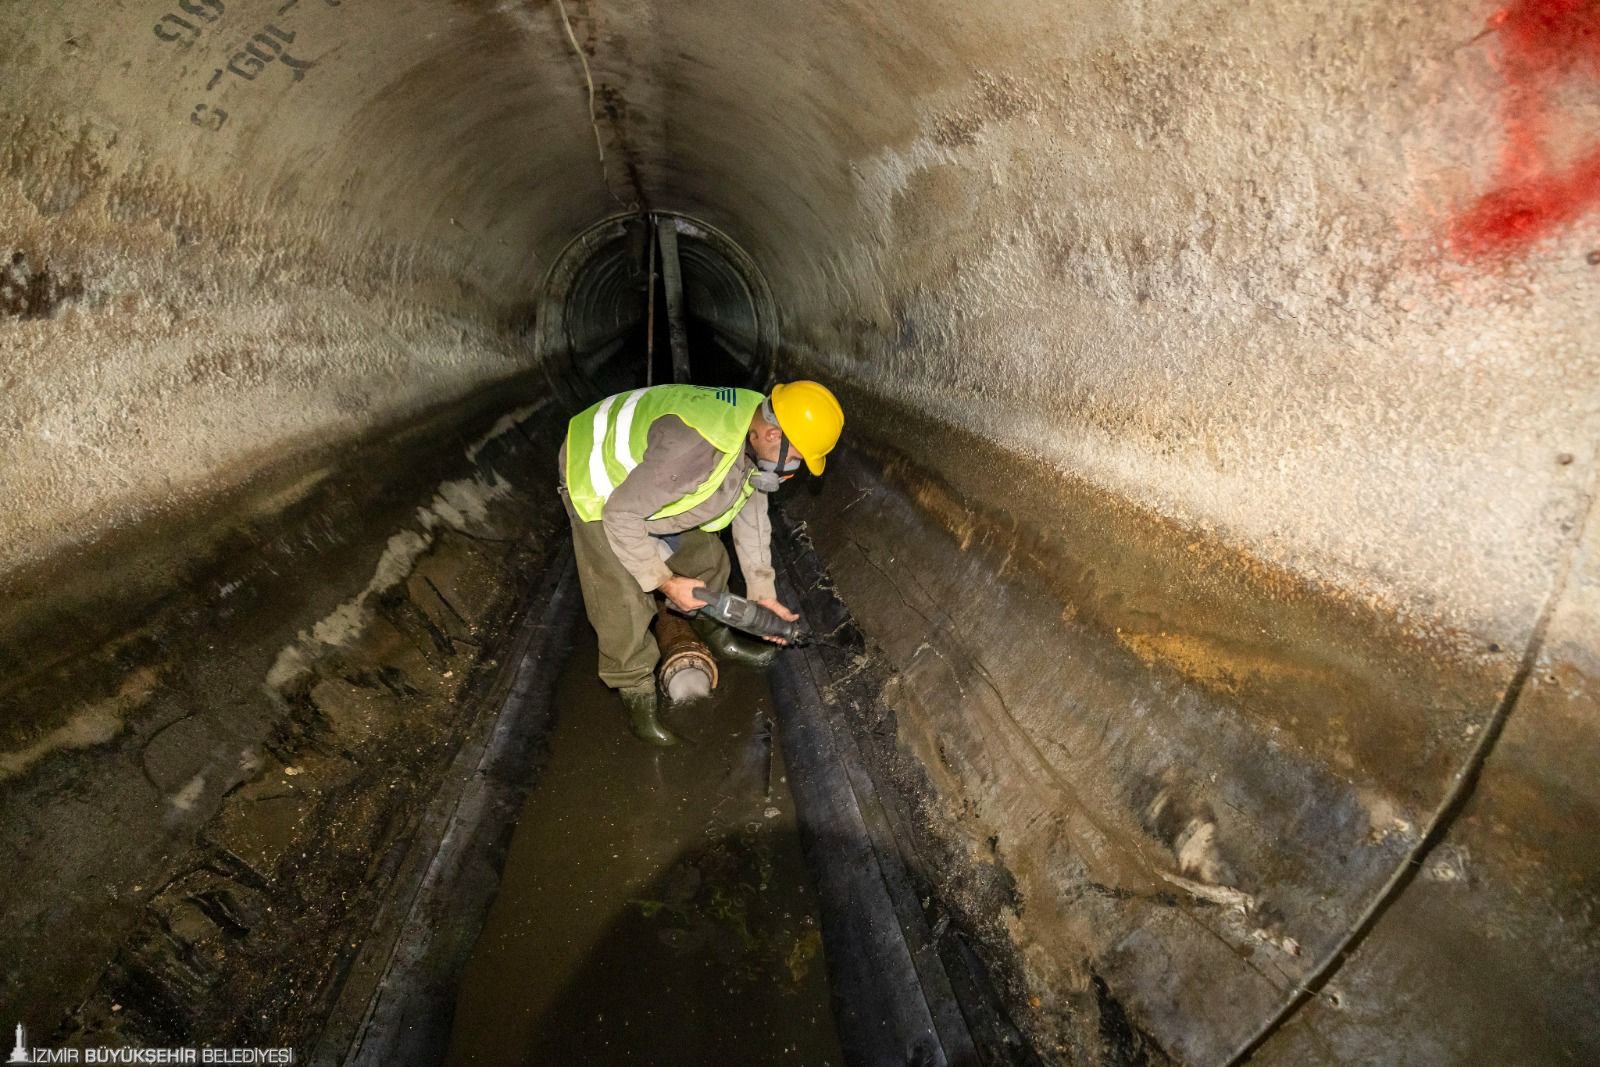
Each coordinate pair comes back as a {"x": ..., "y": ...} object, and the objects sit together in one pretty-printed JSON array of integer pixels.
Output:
[{"x": 773, "y": 473}]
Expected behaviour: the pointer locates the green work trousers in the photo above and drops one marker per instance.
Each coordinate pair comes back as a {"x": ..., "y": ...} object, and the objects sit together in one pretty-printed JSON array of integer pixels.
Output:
[{"x": 619, "y": 610}]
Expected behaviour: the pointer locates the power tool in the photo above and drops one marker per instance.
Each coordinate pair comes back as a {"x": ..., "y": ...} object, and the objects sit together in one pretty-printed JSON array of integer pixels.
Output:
[{"x": 750, "y": 617}]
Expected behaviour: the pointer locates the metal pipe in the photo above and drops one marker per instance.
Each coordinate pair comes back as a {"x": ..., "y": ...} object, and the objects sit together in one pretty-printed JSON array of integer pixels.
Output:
[
  {"x": 672, "y": 274},
  {"x": 650, "y": 317},
  {"x": 688, "y": 671}
]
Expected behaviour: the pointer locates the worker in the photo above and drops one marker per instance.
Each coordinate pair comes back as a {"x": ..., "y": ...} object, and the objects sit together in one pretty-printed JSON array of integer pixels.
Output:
[{"x": 649, "y": 478}]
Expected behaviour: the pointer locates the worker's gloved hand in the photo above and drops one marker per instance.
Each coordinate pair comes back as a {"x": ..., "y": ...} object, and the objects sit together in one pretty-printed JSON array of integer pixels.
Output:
[
  {"x": 774, "y": 605},
  {"x": 680, "y": 591}
]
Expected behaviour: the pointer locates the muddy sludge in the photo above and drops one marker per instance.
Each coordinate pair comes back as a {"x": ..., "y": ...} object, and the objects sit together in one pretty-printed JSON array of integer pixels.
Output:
[{"x": 655, "y": 906}]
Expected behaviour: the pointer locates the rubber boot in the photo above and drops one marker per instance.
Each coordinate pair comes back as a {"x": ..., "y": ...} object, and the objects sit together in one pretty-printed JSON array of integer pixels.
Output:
[
  {"x": 641, "y": 703},
  {"x": 734, "y": 647}
]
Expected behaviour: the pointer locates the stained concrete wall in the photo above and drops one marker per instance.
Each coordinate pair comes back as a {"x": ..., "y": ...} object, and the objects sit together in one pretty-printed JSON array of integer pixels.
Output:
[
  {"x": 220, "y": 261},
  {"x": 1305, "y": 289},
  {"x": 1197, "y": 256},
  {"x": 1200, "y": 257}
]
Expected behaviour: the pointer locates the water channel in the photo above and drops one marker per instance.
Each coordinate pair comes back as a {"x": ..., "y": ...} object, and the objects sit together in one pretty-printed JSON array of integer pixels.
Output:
[{"x": 655, "y": 906}]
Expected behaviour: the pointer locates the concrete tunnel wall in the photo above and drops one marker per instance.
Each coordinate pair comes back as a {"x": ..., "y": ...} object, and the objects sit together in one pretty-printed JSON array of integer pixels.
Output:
[{"x": 1289, "y": 307}]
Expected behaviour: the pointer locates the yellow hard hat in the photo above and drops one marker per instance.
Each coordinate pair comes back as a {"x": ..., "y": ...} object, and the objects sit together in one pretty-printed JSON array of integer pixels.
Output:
[{"x": 810, "y": 417}]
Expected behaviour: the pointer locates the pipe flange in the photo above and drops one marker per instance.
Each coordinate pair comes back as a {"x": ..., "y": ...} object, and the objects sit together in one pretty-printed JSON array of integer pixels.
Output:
[{"x": 677, "y": 672}]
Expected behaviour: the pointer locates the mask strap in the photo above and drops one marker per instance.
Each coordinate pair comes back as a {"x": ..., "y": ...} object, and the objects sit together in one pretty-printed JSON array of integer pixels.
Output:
[
  {"x": 783, "y": 449},
  {"x": 783, "y": 458}
]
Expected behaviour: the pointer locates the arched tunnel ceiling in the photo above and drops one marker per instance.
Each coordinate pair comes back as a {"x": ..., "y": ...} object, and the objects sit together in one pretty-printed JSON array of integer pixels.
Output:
[
  {"x": 1198, "y": 255},
  {"x": 1308, "y": 289}
]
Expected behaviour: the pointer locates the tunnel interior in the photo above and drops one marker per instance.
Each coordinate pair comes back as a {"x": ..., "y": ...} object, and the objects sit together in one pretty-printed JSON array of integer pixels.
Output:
[
  {"x": 598, "y": 303},
  {"x": 1210, "y": 547}
]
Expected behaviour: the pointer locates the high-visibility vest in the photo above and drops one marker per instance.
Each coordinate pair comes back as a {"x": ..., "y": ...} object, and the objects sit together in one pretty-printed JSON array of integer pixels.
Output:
[{"x": 606, "y": 441}]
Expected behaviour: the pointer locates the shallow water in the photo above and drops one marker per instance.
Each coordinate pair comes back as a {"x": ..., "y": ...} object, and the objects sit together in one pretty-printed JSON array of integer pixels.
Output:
[{"x": 655, "y": 907}]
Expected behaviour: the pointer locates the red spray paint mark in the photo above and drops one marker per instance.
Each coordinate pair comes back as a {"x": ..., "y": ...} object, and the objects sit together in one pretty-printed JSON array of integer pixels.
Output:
[{"x": 1543, "y": 42}]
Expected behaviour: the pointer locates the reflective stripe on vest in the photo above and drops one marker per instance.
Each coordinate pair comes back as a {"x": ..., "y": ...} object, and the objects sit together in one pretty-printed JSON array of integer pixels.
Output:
[{"x": 606, "y": 442}]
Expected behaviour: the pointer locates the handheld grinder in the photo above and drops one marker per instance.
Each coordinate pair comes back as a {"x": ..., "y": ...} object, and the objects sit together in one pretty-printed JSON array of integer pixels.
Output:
[{"x": 750, "y": 617}]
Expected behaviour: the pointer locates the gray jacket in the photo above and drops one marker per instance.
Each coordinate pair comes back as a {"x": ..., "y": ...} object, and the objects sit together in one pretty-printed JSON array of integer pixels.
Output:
[{"x": 676, "y": 460}]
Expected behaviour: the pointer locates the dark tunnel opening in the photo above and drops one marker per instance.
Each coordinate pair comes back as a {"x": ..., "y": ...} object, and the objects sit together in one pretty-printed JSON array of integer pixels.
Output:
[{"x": 597, "y": 304}]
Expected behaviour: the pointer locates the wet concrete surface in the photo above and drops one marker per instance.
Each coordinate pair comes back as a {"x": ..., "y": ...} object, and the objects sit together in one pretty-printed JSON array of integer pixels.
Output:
[
  {"x": 200, "y": 857},
  {"x": 655, "y": 906},
  {"x": 1184, "y": 787}
]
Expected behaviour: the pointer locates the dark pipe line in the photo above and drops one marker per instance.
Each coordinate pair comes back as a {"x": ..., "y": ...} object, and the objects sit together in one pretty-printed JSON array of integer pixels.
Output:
[
  {"x": 403, "y": 1014},
  {"x": 968, "y": 1010},
  {"x": 879, "y": 1004},
  {"x": 895, "y": 1000}
]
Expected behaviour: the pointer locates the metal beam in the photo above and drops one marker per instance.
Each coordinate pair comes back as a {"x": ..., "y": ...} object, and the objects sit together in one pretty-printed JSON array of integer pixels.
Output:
[
  {"x": 672, "y": 275},
  {"x": 650, "y": 316}
]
